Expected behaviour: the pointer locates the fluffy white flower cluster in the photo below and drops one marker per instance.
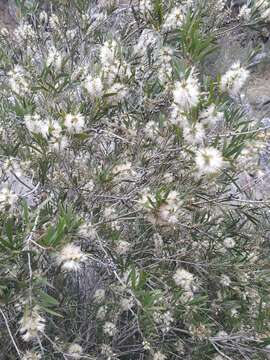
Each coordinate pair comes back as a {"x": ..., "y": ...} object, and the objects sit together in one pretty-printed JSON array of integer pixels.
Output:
[
  {"x": 234, "y": 79},
  {"x": 208, "y": 161},
  {"x": 75, "y": 351},
  {"x": 18, "y": 80},
  {"x": 145, "y": 7},
  {"x": 49, "y": 129},
  {"x": 71, "y": 257},
  {"x": 74, "y": 123},
  {"x": 112, "y": 67},
  {"x": 54, "y": 58},
  {"x": 164, "y": 213},
  {"x": 54, "y": 23},
  {"x": 185, "y": 280},
  {"x": 165, "y": 69},
  {"x": 94, "y": 86},
  {"x": 109, "y": 328},
  {"x": 229, "y": 243},
  {"x": 123, "y": 247},
  {"x": 159, "y": 356},
  {"x": 123, "y": 170},
  {"x": 32, "y": 325},
  {"x": 174, "y": 19},
  {"x": 148, "y": 39},
  {"x": 178, "y": 118},
  {"x": 24, "y": 32},
  {"x": 186, "y": 96},
  {"x": 187, "y": 92},
  {"x": 164, "y": 320},
  {"x": 194, "y": 133},
  {"x": 99, "y": 296},
  {"x": 245, "y": 13},
  {"x": 7, "y": 199},
  {"x": 117, "y": 93},
  {"x": 35, "y": 124},
  {"x": 211, "y": 116},
  {"x": 29, "y": 355}
]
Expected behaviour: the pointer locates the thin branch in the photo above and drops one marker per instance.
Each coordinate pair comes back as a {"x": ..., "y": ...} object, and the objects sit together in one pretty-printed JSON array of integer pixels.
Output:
[{"x": 10, "y": 334}]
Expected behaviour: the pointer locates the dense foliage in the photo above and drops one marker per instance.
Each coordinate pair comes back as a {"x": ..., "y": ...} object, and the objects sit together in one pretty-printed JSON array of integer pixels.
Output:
[{"x": 128, "y": 228}]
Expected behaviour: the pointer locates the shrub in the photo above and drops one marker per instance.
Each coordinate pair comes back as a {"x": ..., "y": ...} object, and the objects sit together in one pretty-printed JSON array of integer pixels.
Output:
[{"x": 128, "y": 230}]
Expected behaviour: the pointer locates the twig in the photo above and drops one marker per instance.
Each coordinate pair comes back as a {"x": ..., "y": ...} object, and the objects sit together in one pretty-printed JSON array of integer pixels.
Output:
[
  {"x": 220, "y": 352},
  {"x": 10, "y": 334}
]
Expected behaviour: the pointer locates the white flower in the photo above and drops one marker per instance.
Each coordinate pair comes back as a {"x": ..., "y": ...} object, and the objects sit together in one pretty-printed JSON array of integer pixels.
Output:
[
  {"x": 168, "y": 177},
  {"x": 229, "y": 243},
  {"x": 102, "y": 312},
  {"x": 107, "y": 351},
  {"x": 71, "y": 257},
  {"x": 234, "y": 313},
  {"x": 208, "y": 160},
  {"x": 107, "y": 53},
  {"x": 109, "y": 328},
  {"x": 18, "y": 81},
  {"x": 174, "y": 19},
  {"x": 24, "y": 32},
  {"x": 29, "y": 355},
  {"x": 58, "y": 144},
  {"x": 75, "y": 351},
  {"x": 194, "y": 134},
  {"x": 71, "y": 34},
  {"x": 151, "y": 129},
  {"x": 43, "y": 17},
  {"x": 147, "y": 40},
  {"x": 167, "y": 212},
  {"x": 165, "y": 67},
  {"x": 74, "y": 123},
  {"x": 89, "y": 186},
  {"x": 32, "y": 325},
  {"x": 145, "y": 6},
  {"x": 225, "y": 281},
  {"x": 87, "y": 230},
  {"x": 54, "y": 22},
  {"x": 244, "y": 13},
  {"x": 122, "y": 247},
  {"x": 210, "y": 116},
  {"x": 178, "y": 118},
  {"x": 34, "y": 124},
  {"x": 7, "y": 198},
  {"x": 222, "y": 334},
  {"x": 117, "y": 93},
  {"x": 159, "y": 356},
  {"x": 234, "y": 79},
  {"x": 187, "y": 92},
  {"x": 184, "y": 279},
  {"x": 123, "y": 170},
  {"x": 54, "y": 58},
  {"x": 127, "y": 304},
  {"x": 94, "y": 86},
  {"x": 99, "y": 295}
]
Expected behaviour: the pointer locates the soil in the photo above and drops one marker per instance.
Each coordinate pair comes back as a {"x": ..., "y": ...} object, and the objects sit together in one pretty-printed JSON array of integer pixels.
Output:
[{"x": 7, "y": 19}]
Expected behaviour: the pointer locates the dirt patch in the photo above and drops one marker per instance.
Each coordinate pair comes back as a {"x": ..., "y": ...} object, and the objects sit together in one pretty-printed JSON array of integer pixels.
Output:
[{"x": 7, "y": 15}]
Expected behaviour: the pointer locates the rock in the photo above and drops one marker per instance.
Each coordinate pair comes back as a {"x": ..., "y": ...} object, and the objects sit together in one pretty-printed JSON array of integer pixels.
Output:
[
  {"x": 258, "y": 91},
  {"x": 21, "y": 186}
]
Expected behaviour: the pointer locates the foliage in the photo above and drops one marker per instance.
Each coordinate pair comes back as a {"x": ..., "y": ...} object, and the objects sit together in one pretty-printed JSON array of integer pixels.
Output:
[{"x": 127, "y": 228}]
